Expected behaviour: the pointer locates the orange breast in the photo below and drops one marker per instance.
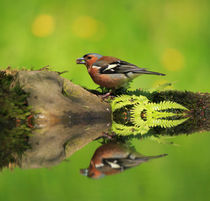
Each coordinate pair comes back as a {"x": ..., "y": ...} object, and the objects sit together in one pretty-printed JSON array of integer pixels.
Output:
[{"x": 104, "y": 80}]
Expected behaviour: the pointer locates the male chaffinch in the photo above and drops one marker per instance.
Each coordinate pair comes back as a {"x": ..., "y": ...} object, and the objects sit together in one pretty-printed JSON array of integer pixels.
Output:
[
  {"x": 113, "y": 158},
  {"x": 111, "y": 72}
]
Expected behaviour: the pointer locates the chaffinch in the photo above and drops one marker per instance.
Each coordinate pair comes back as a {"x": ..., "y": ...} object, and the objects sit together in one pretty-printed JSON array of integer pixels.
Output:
[
  {"x": 111, "y": 72},
  {"x": 113, "y": 158}
]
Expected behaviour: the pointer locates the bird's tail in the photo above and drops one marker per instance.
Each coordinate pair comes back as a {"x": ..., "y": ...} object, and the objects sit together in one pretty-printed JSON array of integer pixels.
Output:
[
  {"x": 152, "y": 73},
  {"x": 146, "y": 158},
  {"x": 158, "y": 156},
  {"x": 144, "y": 71}
]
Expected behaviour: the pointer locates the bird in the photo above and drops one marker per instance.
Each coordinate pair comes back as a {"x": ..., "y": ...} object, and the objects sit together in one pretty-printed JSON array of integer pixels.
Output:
[
  {"x": 110, "y": 72},
  {"x": 113, "y": 158}
]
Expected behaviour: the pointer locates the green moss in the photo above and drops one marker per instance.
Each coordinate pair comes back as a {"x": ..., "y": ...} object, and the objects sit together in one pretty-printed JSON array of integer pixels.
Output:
[{"x": 14, "y": 131}]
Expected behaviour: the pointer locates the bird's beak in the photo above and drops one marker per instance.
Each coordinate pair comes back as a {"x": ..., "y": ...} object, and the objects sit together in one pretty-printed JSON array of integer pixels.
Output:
[
  {"x": 80, "y": 61},
  {"x": 84, "y": 172}
]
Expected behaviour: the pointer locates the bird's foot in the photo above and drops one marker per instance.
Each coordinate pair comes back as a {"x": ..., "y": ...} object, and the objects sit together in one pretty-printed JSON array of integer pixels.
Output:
[
  {"x": 106, "y": 135},
  {"x": 104, "y": 96}
]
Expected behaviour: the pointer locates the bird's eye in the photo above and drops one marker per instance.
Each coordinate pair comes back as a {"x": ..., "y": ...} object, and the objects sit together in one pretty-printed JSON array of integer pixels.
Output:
[{"x": 89, "y": 57}]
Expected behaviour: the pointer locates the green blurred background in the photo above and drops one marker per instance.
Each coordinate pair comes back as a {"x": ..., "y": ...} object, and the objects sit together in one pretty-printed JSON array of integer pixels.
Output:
[{"x": 171, "y": 37}]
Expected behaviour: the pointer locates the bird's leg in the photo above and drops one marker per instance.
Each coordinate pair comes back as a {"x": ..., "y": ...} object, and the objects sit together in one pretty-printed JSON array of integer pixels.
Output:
[
  {"x": 109, "y": 94},
  {"x": 106, "y": 95},
  {"x": 106, "y": 135}
]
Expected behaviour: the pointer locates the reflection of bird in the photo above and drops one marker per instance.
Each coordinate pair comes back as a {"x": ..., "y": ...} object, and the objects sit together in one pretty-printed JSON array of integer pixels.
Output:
[
  {"x": 111, "y": 72},
  {"x": 114, "y": 158}
]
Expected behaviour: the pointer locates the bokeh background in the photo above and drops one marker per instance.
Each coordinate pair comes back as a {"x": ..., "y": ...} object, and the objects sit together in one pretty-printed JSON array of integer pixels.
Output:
[{"x": 171, "y": 37}]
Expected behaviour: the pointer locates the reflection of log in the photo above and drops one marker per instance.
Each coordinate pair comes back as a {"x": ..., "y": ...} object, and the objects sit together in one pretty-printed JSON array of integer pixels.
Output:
[{"x": 68, "y": 117}]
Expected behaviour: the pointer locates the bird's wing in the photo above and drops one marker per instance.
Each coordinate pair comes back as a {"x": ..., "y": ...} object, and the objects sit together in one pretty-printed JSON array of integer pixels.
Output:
[
  {"x": 122, "y": 67},
  {"x": 118, "y": 67},
  {"x": 122, "y": 163},
  {"x": 112, "y": 65}
]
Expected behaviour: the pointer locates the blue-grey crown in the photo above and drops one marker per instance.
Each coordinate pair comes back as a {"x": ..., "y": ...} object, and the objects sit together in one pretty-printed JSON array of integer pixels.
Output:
[{"x": 95, "y": 54}]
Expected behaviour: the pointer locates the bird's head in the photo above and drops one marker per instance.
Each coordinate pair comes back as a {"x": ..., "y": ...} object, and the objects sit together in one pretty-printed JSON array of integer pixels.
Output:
[
  {"x": 88, "y": 59},
  {"x": 92, "y": 172}
]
